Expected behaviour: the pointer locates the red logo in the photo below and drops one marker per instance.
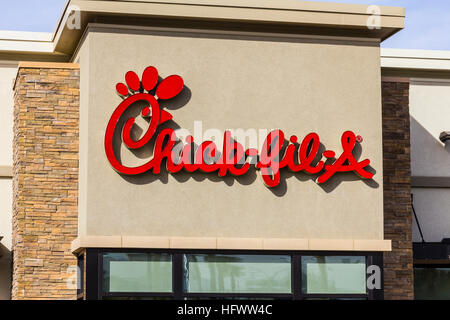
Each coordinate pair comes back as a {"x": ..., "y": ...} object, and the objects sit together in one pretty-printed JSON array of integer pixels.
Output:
[{"x": 276, "y": 152}]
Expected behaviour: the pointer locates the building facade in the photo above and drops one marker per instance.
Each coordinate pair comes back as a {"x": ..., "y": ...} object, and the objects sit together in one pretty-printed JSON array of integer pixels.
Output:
[
  {"x": 210, "y": 149},
  {"x": 428, "y": 75}
]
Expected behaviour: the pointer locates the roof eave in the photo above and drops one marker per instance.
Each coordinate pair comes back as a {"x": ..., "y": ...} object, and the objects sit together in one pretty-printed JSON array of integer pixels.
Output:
[{"x": 288, "y": 14}]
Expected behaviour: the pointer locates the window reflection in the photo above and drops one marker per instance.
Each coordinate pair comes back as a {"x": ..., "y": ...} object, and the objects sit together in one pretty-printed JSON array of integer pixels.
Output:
[
  {"x": 218, "y": 273},
  {"x": 137, "y": 272},
  {"x": 333, "y": 275},
  {"x": 432, "y": 283}
]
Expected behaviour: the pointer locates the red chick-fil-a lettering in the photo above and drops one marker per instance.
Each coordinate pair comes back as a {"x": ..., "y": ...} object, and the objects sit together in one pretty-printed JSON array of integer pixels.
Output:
[{"x": 276, "y": 153}]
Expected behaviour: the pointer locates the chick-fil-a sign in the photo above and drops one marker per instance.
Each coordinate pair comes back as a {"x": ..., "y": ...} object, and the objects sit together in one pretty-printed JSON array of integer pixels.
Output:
[{"x": 275, "y": 154}]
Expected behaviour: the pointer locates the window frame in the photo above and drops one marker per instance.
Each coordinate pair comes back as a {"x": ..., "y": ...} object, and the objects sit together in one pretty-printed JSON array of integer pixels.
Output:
[
  {"x": 217, "y": 294},
  {"x": 80, "y": 276},
  {"x": 170, "y": 256},
  {"x": 330, "y": 294},
  {"x": 94, "y": 275}
]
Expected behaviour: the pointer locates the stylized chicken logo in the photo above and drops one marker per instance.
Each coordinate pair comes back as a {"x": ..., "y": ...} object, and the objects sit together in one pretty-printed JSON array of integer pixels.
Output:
[{"x": 136, "y": 90}]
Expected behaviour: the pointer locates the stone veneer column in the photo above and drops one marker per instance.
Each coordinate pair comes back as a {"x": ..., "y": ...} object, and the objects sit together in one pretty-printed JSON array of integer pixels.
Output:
[
  {"x": 45, "y": 180},
  {"x": 398, "y": 264}
]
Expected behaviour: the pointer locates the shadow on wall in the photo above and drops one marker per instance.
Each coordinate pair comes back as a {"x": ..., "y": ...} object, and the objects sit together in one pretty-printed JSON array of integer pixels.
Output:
[
  {"x": 429, "y": 156},
  {"x": 205, "y": 25},
  {"x": 181, "y": 100},
  {"x": 5, "y": 273}
]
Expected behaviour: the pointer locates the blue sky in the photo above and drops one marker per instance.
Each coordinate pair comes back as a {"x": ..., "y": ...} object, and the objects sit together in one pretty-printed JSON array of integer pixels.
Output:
[{"x": 427, "y": 22}]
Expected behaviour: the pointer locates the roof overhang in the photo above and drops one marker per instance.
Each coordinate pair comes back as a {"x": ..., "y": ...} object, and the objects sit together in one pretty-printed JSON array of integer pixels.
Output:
[
  {"x": 17, "y": 45},
  {"x": 282, "y": 16},
  {"x": 416, "y": 63}
]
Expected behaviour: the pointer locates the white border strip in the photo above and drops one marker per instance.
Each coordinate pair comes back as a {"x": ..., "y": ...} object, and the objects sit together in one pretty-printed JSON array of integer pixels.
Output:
[
  {"x": 415, "y": 59},
  {"x": 212, "y": 243}
]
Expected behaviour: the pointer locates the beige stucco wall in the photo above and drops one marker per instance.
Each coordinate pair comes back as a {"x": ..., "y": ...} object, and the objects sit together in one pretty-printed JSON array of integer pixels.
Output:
[
  {"x": 430, "y": 158},
  {"x": 296, "y": 85},
  {"x": 7, "y": 75}
]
